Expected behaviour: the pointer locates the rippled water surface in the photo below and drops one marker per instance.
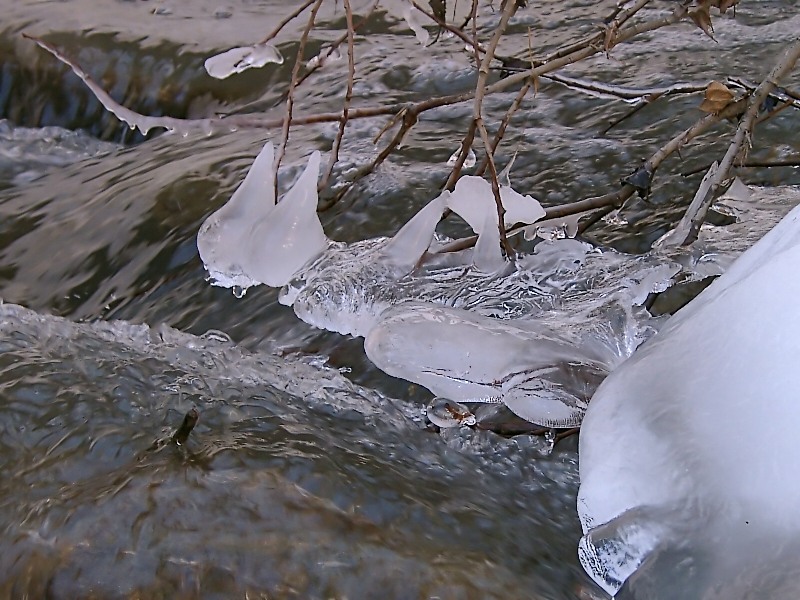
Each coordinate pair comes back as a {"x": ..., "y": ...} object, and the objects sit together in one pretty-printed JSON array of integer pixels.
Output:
[{"x": 310, "y": 473}]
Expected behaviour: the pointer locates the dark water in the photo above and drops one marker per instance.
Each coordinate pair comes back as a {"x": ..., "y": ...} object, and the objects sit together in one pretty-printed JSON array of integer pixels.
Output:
[{"x": 297, "y": 482}]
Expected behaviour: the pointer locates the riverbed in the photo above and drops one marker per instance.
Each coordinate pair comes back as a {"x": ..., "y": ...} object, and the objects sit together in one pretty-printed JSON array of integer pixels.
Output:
[{"x": 310, "y": 474}]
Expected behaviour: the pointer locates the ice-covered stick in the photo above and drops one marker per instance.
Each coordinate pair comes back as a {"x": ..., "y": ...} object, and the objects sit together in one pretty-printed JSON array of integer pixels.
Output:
[{"x": 133, "y": 119}]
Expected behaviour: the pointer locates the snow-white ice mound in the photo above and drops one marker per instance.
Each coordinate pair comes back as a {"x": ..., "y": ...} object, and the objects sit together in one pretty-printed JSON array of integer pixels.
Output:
[{"x": 690, "y": 479}]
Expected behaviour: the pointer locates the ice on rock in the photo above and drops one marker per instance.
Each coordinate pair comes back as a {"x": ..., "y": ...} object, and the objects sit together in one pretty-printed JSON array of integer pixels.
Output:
[
  {"x": 237, "y": 60},
  {"x": 252, "y": 240},
  {"x": 688, "y": 452}
]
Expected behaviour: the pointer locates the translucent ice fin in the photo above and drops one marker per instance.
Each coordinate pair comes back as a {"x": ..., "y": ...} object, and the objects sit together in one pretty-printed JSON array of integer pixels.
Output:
[
  {"x": 471, "y": 199},
  {"x": 413, "y": 17},
  {"x": 240, "y": 59},
  {"x": 411, "y": 242},
  {"x": 250, "y": 240},
  {"x": 519, "y": 208},
  {"x": 292, "y": 235},
  {"x": 224, "y": 240},
  {"x": 488, "y": 256}
]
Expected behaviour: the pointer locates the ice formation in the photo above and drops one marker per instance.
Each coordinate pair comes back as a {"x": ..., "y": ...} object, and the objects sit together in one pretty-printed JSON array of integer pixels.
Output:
[
  {"x": 237, "y": 60},
  {"x": 537, "y": 333},
  {"x": 414, "y": 18},
  {"x": 446, "y": 413},
  {"x": 689, "y": 478},
  {"x": 252, "y": 240},
  {"x": 539, "y": 374}
]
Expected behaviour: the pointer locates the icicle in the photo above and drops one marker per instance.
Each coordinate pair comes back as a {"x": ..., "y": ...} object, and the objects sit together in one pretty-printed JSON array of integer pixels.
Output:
[
  {"x": 488, "y": 256},
  {"x": 407, "y": 247}
]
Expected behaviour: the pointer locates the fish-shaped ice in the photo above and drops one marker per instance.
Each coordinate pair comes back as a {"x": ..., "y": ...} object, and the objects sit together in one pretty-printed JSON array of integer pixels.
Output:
[
  {"x": 690, "y": 481},
  {"x": 542, "y": 375}
]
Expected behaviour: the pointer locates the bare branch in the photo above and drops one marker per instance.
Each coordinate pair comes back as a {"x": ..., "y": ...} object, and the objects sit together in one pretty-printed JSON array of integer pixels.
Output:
[
  {"x": 271, "y": 35},
  {"x": 287, "y": 119},
  {"x": 509, "y": 8},
  {"x": 688, "y": 228},
  {"x": 351, "y": 74}
]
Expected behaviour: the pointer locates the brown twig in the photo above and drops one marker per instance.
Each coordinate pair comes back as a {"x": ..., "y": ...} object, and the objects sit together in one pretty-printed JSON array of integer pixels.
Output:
[
  {"x": 287, "y": 119},
  {"x": 288, "y": 19},
  {"x": 509, "y": 8},
  {"x": 469, "y": 138},
  {"x": 755, "y": 164},
  {"x": 619, "y": 196},
  {"x": 335, "y": 45},
  {"x": 687, "y": 230},
  {"x": 351, "y": 75},
  {"x": 501, "y": 130}
]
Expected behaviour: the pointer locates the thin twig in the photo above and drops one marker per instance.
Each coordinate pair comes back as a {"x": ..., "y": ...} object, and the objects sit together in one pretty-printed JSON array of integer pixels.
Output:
[
  {"x": 754, "y": 164},
  {"x": 619, "y": 196},
  {"x": 509, "y": 8},
  {"x": 469, "y": 138},
  {"x": 688, "y": 228},
  {"x": 287, "y": 119},
  {"x": 335, "y": 45},
  {"x": 271, "y": 35},
  {"x": 351, "y": 75},
  {"x": 503, "y": 125}
]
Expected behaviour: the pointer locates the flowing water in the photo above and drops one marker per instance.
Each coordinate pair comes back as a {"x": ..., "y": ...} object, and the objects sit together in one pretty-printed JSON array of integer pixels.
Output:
[{"x": 310, "y": 474}]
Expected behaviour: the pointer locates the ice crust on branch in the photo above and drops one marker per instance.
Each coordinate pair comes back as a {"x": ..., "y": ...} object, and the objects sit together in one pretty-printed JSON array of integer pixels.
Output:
[
  {"x": 689, "y": 478},
  {"x": 557, "y": 320},
  {"x": 237, "y": 60}
]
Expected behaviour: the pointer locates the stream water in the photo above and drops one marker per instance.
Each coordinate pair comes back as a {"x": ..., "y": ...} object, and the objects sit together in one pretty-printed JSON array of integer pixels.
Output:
[{"x": 310, "y": 474}]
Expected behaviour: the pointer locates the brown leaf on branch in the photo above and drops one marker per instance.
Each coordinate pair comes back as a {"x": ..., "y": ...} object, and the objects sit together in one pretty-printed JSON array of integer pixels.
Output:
[
  {"x": 702, "y": 18},
  {"x": 610, "y": 36},
  {"x": 717, "y": 97}
]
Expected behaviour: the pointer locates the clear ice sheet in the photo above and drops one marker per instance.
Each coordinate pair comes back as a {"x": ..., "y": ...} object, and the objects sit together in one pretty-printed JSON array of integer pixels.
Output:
[{"x": 688, "y": 449}]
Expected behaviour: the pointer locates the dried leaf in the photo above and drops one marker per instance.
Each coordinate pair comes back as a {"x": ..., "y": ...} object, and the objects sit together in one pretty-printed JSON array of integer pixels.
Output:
[
  {"x": 724, "y": 5},
  {"x": 717, "y": 97},
  {"x": 702, "y": 18},
  {"x": 610, "y": 38}
]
